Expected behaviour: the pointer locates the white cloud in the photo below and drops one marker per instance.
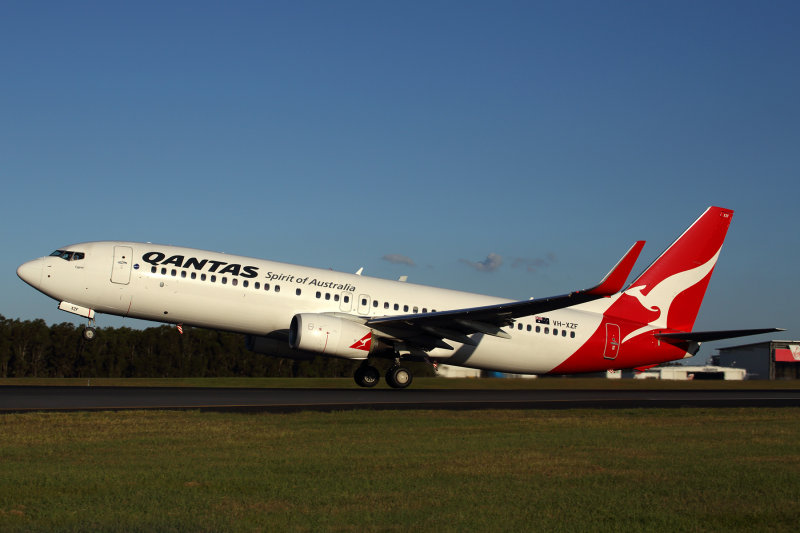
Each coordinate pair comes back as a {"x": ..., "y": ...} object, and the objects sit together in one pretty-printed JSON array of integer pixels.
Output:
[
  {"x": 398, "y": 259},
  {"x": 490, "y": 264},
  {"x": 535, "y": 263}
]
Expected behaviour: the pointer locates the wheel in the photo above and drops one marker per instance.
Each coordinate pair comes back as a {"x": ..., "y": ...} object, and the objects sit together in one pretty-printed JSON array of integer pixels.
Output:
[
  {"x": 398, "y": 377},
  {"x": 367, "y": 376},
  {"x": 89, "y": 333}
]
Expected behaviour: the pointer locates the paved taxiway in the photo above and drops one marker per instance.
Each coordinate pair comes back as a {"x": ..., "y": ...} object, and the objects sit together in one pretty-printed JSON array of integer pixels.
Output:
[{"x": 16, "y": 399}]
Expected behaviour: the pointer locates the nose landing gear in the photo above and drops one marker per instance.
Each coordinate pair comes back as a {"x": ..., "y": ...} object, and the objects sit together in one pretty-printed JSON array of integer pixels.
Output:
[{"x": 90, "y": 331}]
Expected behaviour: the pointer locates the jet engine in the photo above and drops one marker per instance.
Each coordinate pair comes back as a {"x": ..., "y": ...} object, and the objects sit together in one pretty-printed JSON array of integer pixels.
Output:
[
  {"x": 276, "y": 347},
  {"x": 333, "y": 336}
]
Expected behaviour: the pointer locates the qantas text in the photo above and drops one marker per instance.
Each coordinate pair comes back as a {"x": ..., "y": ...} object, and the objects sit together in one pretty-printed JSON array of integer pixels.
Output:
[
  {"x": 220, "y": 267},
  {"x": 235, "y": 269}
]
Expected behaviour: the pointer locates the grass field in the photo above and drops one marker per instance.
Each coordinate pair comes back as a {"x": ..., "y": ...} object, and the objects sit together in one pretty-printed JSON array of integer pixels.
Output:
[{"x": 582, "y": 470}]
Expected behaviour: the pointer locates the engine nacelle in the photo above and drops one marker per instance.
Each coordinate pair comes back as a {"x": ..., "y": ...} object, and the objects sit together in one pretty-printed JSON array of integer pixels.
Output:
[
  {"x": 333, "y": 336},
  {"x": 278, "y": 348}
]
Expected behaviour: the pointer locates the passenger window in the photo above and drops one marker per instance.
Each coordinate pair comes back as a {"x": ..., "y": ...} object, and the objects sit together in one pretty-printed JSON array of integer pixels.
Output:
[
  {"x": 363, "y": 301},
  {"x": 213, "y": 278},
  {"x": 153, "y": 270},
  {"x": 163, "y": 271},
  {"x": 257, "y": 285},
  {"x": 298, "y": 291},
  {"x": 183, "y": 273},
  {"x": 555, "y": 331},
  {"x": 386, "y": 305},
  {"x": 563, "y": 333},
  {"x": 424, "y": 310},
  {"x": 335, "y": 297},
  {"x": 529, "y": 327},
  {"x": 224, "y": 280},
  {"x": 266, "y": 286},
  {"x": 319, "y": 294},
  {"x": 405, "y": 309},
  {"x": 571, "y": 334},
  {"x": 234, "y": 282},
  {"x": 396, "y": 307},
  {"x": 202, "y": 277},
  {"x": 374, "y": 303},
  {"x": 546, "y": 331},
  {"x": 416, "y": 309},
  {"x": 277, "y": 288},
  {"x": 245, "y": 284},
  {"x": 519, "y": 327},
  {"x": 346, "y": 299},
  {"x": 327, "y": 296}
]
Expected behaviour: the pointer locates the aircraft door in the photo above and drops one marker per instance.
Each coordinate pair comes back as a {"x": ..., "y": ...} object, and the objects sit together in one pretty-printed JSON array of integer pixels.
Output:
[
  {"x": 611, "y": 350},
  {"x": 121, "y": 268},
  {"x": 345, "y": 302}
]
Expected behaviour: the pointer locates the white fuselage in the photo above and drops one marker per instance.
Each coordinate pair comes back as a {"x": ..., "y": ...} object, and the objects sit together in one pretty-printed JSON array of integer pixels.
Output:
[{"x": 258, "y": 297}]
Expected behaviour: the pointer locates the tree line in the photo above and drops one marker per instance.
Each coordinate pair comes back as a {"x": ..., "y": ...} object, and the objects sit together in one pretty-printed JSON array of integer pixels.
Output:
[{"x": 31, "y": 348}]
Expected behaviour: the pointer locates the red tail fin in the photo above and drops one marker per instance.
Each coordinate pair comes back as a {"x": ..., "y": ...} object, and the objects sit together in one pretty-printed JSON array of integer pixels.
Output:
[{"x": 674, "y": 285}]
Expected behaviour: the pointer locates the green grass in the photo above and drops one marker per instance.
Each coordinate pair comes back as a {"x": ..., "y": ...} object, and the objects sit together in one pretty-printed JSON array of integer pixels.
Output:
[
  {"x": 583, "y": 470},
  {"x": 419, "y": 383}
]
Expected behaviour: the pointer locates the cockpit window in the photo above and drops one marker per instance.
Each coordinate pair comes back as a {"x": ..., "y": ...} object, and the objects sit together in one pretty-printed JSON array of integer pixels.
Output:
[{"x": 67, "y": 255}]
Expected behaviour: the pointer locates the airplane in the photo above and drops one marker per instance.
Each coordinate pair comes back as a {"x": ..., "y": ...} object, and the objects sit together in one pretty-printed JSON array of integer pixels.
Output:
[{"x": 300, "y": 312}]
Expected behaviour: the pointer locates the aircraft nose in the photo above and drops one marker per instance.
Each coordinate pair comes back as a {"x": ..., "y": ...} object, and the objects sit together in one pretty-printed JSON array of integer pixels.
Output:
[{"x": 31, "y": 272}]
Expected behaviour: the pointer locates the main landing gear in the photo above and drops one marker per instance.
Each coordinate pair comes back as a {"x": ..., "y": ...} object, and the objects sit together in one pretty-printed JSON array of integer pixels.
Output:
[
  {"x": 397, "y": 377},
  {"x": 367, "y": 376}
]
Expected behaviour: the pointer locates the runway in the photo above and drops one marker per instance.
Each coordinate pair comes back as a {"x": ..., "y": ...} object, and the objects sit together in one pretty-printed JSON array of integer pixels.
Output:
[{"x": 25, "y": 398}]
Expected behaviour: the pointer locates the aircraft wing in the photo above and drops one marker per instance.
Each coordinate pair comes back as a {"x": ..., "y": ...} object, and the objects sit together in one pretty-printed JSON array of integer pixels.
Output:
[{"x": 428, "y": 330}]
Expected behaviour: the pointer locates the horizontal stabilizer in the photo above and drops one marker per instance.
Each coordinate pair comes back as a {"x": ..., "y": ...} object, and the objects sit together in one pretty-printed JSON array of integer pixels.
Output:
[{"x": 707, "y": 336}]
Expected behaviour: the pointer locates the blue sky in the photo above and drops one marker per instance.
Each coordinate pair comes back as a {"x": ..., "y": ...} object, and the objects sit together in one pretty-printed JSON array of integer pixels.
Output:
[{"x": 508, "y": 148}]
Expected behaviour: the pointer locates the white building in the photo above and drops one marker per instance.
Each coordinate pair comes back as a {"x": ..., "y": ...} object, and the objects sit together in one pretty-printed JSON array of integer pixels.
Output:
[
  {"x": 449, "y": 371},
  {"x": 693, "y": 372}
]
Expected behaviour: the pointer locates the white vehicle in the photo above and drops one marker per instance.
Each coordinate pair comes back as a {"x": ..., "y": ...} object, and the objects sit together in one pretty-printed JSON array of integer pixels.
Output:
[{"x": 300, "y": 312}]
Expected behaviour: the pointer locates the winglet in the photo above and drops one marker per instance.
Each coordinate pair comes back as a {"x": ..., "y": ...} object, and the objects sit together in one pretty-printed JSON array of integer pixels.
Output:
[{"x": 615, "y": 280}]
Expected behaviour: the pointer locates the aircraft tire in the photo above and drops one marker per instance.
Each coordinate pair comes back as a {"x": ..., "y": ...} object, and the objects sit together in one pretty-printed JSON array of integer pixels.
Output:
[
  {"x": 89, "y": 333},
  {"x": 367, "y": 376},
  {"x": 399, "y": 377}
]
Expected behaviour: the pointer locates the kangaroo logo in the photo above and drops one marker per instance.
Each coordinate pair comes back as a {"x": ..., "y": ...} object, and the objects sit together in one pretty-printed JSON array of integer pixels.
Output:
[
  {"x": 364, "y": 343},
  {"x": 660, "y": 297}
]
